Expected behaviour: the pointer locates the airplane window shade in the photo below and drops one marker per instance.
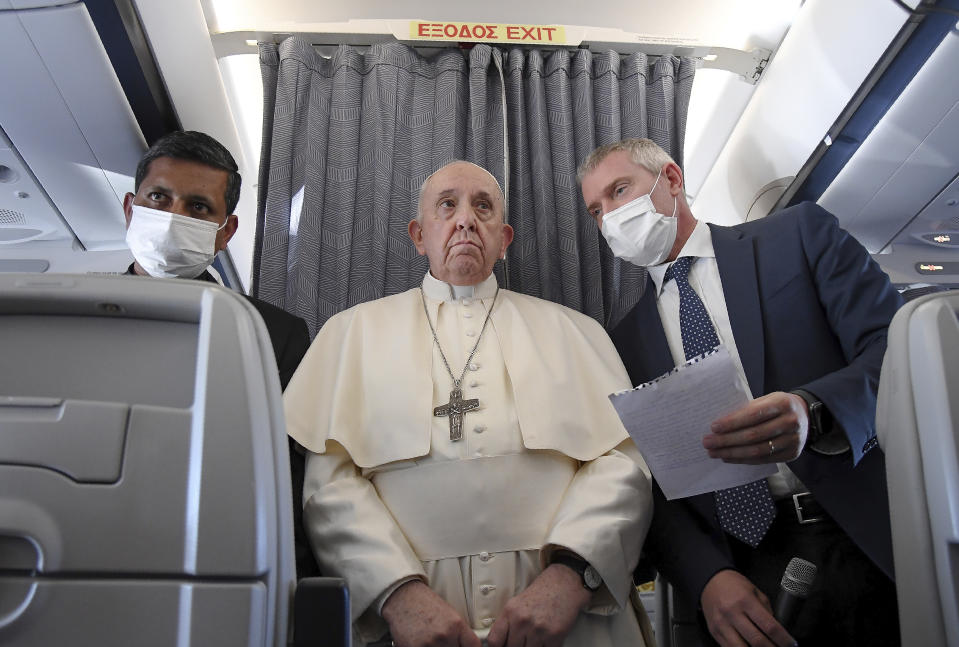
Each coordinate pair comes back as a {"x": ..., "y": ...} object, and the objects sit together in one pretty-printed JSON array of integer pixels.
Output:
[{"x": 362, "y": 131}]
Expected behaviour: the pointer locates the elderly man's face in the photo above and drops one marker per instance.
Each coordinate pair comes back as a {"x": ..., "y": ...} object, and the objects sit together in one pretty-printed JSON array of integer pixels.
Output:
[{"x": 462, "y": 230}]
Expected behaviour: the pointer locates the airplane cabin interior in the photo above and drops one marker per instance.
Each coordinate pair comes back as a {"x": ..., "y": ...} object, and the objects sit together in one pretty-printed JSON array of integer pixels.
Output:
[{"x": 124, "y": 444}]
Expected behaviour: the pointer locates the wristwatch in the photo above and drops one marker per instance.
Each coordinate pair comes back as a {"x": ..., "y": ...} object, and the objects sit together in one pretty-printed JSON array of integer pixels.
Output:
[
  {"x": 819, "y": 422},
  {"x": 592, "y": 580}
]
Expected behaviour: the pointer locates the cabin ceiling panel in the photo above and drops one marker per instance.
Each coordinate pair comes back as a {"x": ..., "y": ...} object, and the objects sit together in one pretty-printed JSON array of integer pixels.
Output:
[
  {"x": 741, "y": 24},
  {"x": 25, "y": 212},
  {"x": 73, "y": 127},
  {"x": 34, "y": 4},
  {"x": 907, "y": 159}
]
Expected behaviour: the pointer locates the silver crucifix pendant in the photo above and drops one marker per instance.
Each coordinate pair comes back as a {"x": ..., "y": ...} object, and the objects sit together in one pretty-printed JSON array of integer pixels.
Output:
[{"x": 455, "y": 409}]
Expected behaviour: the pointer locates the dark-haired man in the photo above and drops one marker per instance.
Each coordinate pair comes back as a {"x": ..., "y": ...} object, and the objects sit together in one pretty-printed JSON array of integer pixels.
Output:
[{"x": 187, "y": 186}]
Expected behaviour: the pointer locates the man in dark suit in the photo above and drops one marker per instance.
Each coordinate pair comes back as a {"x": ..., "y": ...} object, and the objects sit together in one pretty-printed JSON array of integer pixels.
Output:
[
  {"x": 803, "y": 311},
  {"x": 187, "y": 186}
]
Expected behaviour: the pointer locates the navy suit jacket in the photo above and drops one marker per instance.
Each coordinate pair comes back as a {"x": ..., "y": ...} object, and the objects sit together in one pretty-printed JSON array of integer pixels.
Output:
[{"x": 809, "y": 309}]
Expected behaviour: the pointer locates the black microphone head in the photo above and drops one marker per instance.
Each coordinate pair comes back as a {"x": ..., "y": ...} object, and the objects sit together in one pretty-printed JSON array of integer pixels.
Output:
[{"x": 799, "y": 577}]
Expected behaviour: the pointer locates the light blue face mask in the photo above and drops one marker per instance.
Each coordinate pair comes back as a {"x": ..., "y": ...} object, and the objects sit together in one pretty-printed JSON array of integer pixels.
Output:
[{"x": 637, "y": 233}]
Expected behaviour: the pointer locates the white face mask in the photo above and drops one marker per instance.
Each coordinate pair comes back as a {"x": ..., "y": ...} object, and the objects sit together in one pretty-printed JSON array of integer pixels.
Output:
[
  {"x": 637, "y": 233},
  {"x": 168, "y": 245}
]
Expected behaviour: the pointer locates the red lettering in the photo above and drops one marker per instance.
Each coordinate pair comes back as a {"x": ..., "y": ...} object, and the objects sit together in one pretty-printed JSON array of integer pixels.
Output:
[
  {"x": 479, "y": 31},
  {"x": 491, "y": 31},
  {"x": 512, "y": 32},
  {"x": 527, "y": 31},
  {"x": 465, "y": 32},
  {"x": 436, "y": 29},
  {"x": 447, "y": 28},
  {"x": 421, "y": 29},
  {"x": 549, "y": 32}
]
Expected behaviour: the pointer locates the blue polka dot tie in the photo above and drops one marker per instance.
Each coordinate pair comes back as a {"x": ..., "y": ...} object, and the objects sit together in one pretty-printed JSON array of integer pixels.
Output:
[{"x": 747, "y": 511}]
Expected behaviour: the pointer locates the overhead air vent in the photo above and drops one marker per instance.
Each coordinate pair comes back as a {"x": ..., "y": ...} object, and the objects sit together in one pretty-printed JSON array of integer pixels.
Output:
[
  {"x": 8, "y": 175},
  {"x": 10, "y": 217}
]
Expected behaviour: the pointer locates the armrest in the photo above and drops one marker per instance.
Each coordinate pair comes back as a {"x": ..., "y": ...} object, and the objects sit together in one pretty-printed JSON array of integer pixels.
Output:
[{"x": 321, "y": 613}]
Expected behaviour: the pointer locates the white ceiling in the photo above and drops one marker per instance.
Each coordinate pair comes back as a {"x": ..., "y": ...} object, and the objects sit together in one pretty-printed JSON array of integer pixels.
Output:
[{"x": 742, "y": 24}]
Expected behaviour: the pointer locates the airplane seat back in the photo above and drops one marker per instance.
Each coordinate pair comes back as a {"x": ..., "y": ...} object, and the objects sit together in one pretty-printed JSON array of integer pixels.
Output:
[
  {"x": 144, "y": 477},
  {"x": 917, "y": 423}
]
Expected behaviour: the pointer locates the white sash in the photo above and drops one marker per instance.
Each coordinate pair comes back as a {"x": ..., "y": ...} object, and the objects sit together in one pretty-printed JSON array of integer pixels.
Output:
[{"x": 459, "y": 508}]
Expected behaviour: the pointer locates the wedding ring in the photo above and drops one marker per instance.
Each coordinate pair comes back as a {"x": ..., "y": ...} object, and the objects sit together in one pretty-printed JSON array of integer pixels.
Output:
[{"x": 772, "y": 448}]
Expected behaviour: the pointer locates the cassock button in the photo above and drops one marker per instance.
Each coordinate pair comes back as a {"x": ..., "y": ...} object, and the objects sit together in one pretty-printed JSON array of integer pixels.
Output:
[
  {"x": 486, "y": 589},
  {"x": 470, "y": 333},
  {"x": 479, "y": 428},
  {"x": 484, "y": 556},
  {"x": 474, "y": 366},
  {"x": 487, "y": 622},
  {"x": 474, "y": 384},
  {"x": 467, "y": 314},
  {"x": 467, "y": 302}
]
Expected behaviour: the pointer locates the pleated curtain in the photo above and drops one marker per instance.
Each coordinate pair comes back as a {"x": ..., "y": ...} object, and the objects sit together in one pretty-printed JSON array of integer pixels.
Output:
[{"x": 349, "y": 139}]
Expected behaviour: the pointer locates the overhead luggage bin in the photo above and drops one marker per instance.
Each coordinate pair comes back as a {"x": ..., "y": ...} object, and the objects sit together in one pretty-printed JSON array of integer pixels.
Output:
[{"x": 144, "y": 477}]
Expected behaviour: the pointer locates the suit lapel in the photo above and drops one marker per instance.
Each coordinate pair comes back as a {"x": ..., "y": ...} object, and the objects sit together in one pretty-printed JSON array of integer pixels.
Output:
[
  {"x": 736, "y": 260},
  {"x": 651, "y": 329},
  {"x": 641, "y": 340}
]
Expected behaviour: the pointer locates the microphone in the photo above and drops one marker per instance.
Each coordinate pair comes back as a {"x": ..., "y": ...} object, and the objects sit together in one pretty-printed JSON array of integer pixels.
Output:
[{"x": 793, "y": 590}]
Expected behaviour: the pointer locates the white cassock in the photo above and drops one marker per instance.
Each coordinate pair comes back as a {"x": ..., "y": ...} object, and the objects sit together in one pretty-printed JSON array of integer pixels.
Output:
[{"x": 544, "y": 462}]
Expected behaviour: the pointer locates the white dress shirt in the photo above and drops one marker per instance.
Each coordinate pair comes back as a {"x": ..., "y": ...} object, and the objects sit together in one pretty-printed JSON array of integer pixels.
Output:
[{"x": 705, "y": 281}]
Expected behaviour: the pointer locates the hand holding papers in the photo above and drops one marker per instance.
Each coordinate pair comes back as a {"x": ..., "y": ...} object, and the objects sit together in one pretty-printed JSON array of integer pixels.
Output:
[{"x": 668, "y": 417}]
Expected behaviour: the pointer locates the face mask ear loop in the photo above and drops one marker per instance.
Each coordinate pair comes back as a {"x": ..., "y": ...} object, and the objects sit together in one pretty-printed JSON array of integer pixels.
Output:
[
  {"x": 653, "y": 188},
  {"x": 650, "y": 194},
  {"x": 220, "y": 228}
]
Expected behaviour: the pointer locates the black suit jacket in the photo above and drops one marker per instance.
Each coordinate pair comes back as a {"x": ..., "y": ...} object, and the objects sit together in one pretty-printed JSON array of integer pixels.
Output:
[
  {"x": 809, "y": 309},
  {"x": 288, "y": 334}
]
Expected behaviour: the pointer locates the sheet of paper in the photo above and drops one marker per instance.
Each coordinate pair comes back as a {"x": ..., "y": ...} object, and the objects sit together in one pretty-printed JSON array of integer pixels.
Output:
[{"x": 668, "y": 417}]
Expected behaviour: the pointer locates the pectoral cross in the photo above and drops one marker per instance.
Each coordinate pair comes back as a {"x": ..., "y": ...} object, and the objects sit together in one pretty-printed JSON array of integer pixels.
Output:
[{"x": 456, "y": 408}]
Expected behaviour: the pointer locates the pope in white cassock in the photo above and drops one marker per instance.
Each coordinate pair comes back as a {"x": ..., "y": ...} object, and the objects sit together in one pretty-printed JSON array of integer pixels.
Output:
[{"x": 467, "y": 474}]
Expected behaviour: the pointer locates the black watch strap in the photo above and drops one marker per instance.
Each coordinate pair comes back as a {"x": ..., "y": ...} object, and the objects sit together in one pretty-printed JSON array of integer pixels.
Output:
[
  {"x": 592, "y": 580},
  {"x": 818, "y": 417}
]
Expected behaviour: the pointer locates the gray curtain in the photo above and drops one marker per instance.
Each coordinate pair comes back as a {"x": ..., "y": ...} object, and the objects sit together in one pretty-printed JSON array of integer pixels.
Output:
[
  {"x": 348, "y": 140},
  {"x": 561, "y": 107}
]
